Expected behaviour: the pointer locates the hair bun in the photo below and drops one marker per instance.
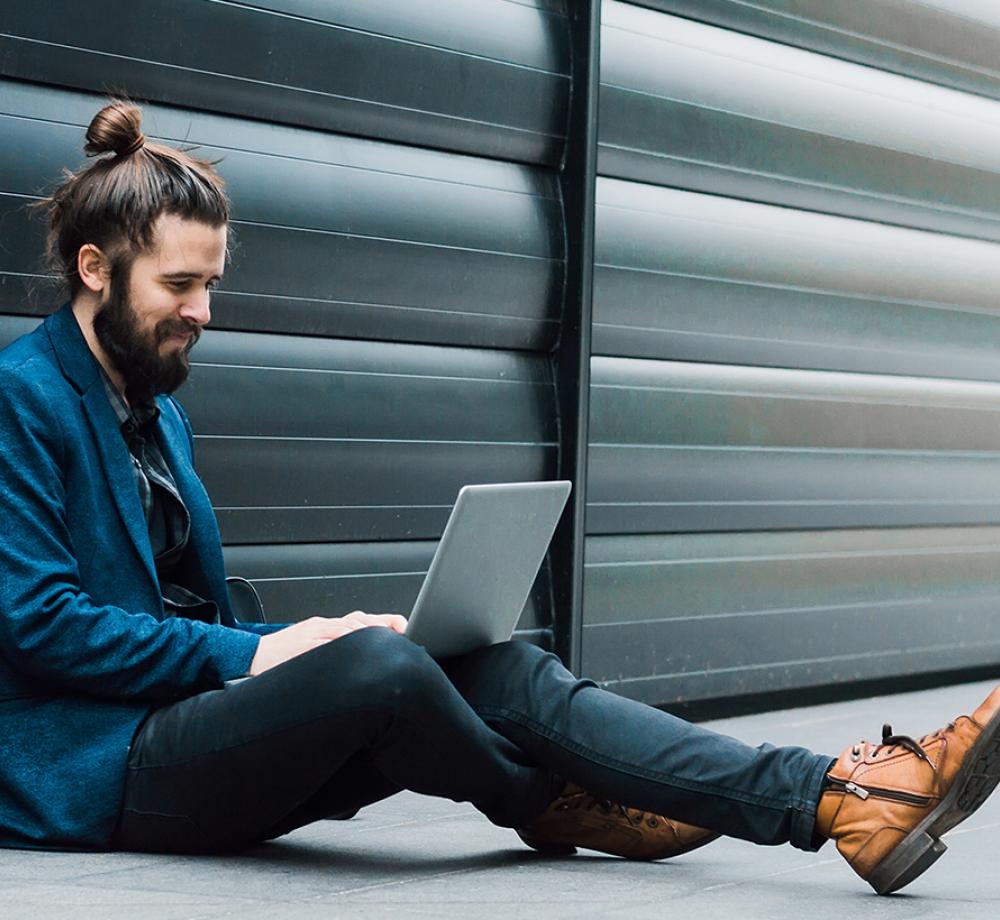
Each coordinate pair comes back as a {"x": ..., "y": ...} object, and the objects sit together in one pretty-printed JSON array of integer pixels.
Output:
[{"x": 115, "y": 129}]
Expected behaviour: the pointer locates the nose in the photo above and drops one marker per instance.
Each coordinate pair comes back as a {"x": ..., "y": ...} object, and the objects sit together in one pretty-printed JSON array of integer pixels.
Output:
[{"x": 196, "y": 308}]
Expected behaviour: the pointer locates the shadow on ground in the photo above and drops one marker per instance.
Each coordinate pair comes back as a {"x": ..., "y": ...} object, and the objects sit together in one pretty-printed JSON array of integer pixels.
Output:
[{"x": 412, "y": 856}]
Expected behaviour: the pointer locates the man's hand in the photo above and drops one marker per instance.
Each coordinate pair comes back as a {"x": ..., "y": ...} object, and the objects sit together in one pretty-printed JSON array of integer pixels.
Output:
[{"x": 279, "y": 647}]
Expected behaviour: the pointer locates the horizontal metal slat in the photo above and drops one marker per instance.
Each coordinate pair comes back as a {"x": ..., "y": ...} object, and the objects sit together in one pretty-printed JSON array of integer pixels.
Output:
[
  {"x": 690, "y": 105},
  {"x": 294, "y": 177},
  {"x": 291, "y": 491},
  {"x": 695, "y": 277},
  {"x": 357, "y": 405},
  {"x": 306, "y": 580},
  {"x": 680, "y": 447},
  {"x": 276, "y": 66},
  {"x": 338, "y": 441},
  {"x": 952, "y": 42},
  {"x": 696, "y": 616},
  {"x": 370, "y": 288},
  {"x": 334, "y": 235},
  {"x": 455, "y": 24}
]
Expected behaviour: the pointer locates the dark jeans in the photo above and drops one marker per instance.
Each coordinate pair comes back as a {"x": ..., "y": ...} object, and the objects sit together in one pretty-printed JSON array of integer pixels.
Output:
[{"x": 367, "y": 715}]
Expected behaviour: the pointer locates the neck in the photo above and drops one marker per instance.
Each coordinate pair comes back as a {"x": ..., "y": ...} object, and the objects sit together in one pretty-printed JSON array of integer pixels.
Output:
[{"x": 84, "y": 309}]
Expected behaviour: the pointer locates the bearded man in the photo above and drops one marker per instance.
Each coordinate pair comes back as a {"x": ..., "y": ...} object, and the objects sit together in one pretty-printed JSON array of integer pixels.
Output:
[{"x": 121, "y": 728}]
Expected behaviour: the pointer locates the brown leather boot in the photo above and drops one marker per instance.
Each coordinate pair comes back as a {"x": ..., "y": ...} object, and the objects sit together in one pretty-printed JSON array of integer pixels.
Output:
[
  {"x": 578, "y": 819},
  {"x": 888, "y": 804}
]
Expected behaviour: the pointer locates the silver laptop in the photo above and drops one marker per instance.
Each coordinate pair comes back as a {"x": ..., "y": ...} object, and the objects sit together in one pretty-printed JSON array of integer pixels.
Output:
[{"x": 492, "y": 548}]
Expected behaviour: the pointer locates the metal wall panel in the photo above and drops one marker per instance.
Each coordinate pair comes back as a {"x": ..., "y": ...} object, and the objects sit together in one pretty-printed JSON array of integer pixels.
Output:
[
  {"x": 13, "y": 326},
  {"x": 495, "y": 82},
  {"x": 694, "y": 106},
  {"x": 793, "y": 382},
  {"x": 700, "y": 616},
  {"x": 694, "y": 447},
  {"x": 335, "y": 235},
  {"x": 695, "y": 277},
  {"x": 790, "y": 417},
  {"x": 952, "y": 42},
  {"x": 445, "y": 270},
  {"x": 308, "y": 440},
  {"x": 330, "y": 579}
]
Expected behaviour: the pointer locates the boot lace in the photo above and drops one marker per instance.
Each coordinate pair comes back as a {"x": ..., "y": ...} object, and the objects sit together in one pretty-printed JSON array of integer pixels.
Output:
[
  {"x": 890, "y": 742},
  {"x": 586, "y": 801}
]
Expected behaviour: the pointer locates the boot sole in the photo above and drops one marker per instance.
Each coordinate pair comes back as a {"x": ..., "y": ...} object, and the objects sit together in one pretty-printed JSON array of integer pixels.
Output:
[
  {"x": 547, "y": 847},
  {"x": 703, "y": 842},
  {"x": 567, "y": 849},
  {"x": 922, "y": 847}
]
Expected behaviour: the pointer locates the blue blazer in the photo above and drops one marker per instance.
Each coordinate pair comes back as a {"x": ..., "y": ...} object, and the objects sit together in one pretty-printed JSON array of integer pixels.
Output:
[{"x": 85, "y": 648}]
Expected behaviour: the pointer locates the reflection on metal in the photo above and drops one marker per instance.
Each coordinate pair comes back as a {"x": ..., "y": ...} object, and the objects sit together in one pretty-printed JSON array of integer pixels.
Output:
[
  {"x": 951, "y": 42},
  {"x": 496, "y": 86},
  {"x": 694, "y": 106},
  {"x": 696, "y": 277},
  {"x": 681, "y": 617}
]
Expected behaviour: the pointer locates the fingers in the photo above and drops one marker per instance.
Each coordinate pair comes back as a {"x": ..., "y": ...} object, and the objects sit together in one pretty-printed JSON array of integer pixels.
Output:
[
  {"x": 393, "y": 621},
  {"x": 359, "y": 619},
  {"x": 278, "y": 647},
  {"x": 322, "y": 628}
]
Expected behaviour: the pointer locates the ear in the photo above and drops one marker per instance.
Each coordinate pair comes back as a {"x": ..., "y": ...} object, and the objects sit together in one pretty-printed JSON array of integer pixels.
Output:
[{"x": 93, "y": 268}]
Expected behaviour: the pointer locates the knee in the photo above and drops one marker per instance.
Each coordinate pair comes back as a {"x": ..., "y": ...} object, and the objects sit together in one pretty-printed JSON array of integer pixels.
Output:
[
  {"x": 389, "y": 666},
  {"x": 513, "y": 663},
  {"x": 516, "y": 655}
]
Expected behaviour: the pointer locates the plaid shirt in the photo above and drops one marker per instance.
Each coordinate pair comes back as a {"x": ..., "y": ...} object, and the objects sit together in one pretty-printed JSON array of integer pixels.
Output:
[{"x": 167, "y": 516}]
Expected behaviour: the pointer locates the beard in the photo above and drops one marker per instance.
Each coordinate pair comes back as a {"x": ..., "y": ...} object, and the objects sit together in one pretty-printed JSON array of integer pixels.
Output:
[{"x": 135, "y": 352}]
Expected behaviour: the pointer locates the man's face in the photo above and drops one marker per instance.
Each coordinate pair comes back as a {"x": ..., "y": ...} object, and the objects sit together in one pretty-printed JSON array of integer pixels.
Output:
[{"x": 153, "y": 313}]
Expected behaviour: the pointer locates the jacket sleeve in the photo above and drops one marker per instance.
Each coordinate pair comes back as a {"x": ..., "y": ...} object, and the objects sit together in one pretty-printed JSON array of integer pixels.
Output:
[
  {"x": 261, "y": 629},
  {"x": 49, "y": 627}
]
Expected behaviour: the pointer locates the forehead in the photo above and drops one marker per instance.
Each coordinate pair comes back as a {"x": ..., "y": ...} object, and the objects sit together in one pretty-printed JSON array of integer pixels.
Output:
[{"x": 181, "y": 245}]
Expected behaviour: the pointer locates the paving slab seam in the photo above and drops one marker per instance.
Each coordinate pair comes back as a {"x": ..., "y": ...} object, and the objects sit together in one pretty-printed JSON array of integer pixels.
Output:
[
  {"x": 422, "y": 822},
  {"x": 740, "y": 882}
]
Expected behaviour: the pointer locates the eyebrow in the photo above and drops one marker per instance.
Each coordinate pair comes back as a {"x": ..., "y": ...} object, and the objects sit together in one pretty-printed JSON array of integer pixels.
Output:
[{"x": 187, "y": 276}]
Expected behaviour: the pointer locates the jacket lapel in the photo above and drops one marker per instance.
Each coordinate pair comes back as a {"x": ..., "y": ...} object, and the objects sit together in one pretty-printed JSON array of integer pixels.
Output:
[
  {"x": 203, "y": 563},
  {"x": 81, "y": 369},
  {"x": 117, "y": 465}
]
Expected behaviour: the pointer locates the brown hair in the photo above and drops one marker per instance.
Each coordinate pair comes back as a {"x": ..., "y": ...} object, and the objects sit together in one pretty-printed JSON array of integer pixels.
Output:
[{"x": 114, "y": 202}]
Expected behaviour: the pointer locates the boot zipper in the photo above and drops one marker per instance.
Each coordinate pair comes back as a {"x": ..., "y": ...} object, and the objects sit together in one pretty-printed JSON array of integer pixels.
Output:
[{"x": 863, "y": 793}]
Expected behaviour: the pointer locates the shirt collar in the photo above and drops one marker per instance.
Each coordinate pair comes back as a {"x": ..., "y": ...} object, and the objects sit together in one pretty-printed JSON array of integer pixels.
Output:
[{"x": 139, "y": 414}]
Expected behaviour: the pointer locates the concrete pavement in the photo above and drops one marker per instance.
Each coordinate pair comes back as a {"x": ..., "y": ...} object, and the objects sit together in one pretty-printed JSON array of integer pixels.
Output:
[{"x": 424, "y": 858}]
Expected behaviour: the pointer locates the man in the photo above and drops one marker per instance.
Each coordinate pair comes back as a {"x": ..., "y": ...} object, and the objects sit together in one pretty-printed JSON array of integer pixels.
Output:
[{"x": 118, "y": 638}]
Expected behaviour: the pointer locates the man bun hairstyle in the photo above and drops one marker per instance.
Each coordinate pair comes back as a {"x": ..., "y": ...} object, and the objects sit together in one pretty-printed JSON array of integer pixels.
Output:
[
  {"x": 114, "y": 202},
  {"x": 115, "y": 129}
]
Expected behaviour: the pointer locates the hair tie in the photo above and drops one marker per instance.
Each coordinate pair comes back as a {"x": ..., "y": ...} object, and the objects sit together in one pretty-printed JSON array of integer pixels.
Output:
[{"x": 134, "y": 146}]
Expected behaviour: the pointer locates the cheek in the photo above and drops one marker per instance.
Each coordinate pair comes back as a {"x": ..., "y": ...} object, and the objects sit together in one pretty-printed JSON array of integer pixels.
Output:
[
  {"x": 156, "y": 307},
  {"x": 150, "y": 321}
]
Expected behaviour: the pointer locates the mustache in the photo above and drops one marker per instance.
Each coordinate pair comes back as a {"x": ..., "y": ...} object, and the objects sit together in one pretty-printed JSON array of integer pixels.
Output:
[{"x": 176, "y": 326}]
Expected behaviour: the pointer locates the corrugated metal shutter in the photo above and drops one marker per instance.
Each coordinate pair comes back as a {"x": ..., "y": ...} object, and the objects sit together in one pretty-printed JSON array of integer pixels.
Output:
[
  {"x": 793, "y": 475},
  {"x": 390, "y": 307},
  {"x": 794, "y": 457}
]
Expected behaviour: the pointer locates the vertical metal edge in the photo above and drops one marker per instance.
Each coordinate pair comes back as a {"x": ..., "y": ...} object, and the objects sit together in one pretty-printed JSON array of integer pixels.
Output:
[{"x": 571, "y": 357}]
